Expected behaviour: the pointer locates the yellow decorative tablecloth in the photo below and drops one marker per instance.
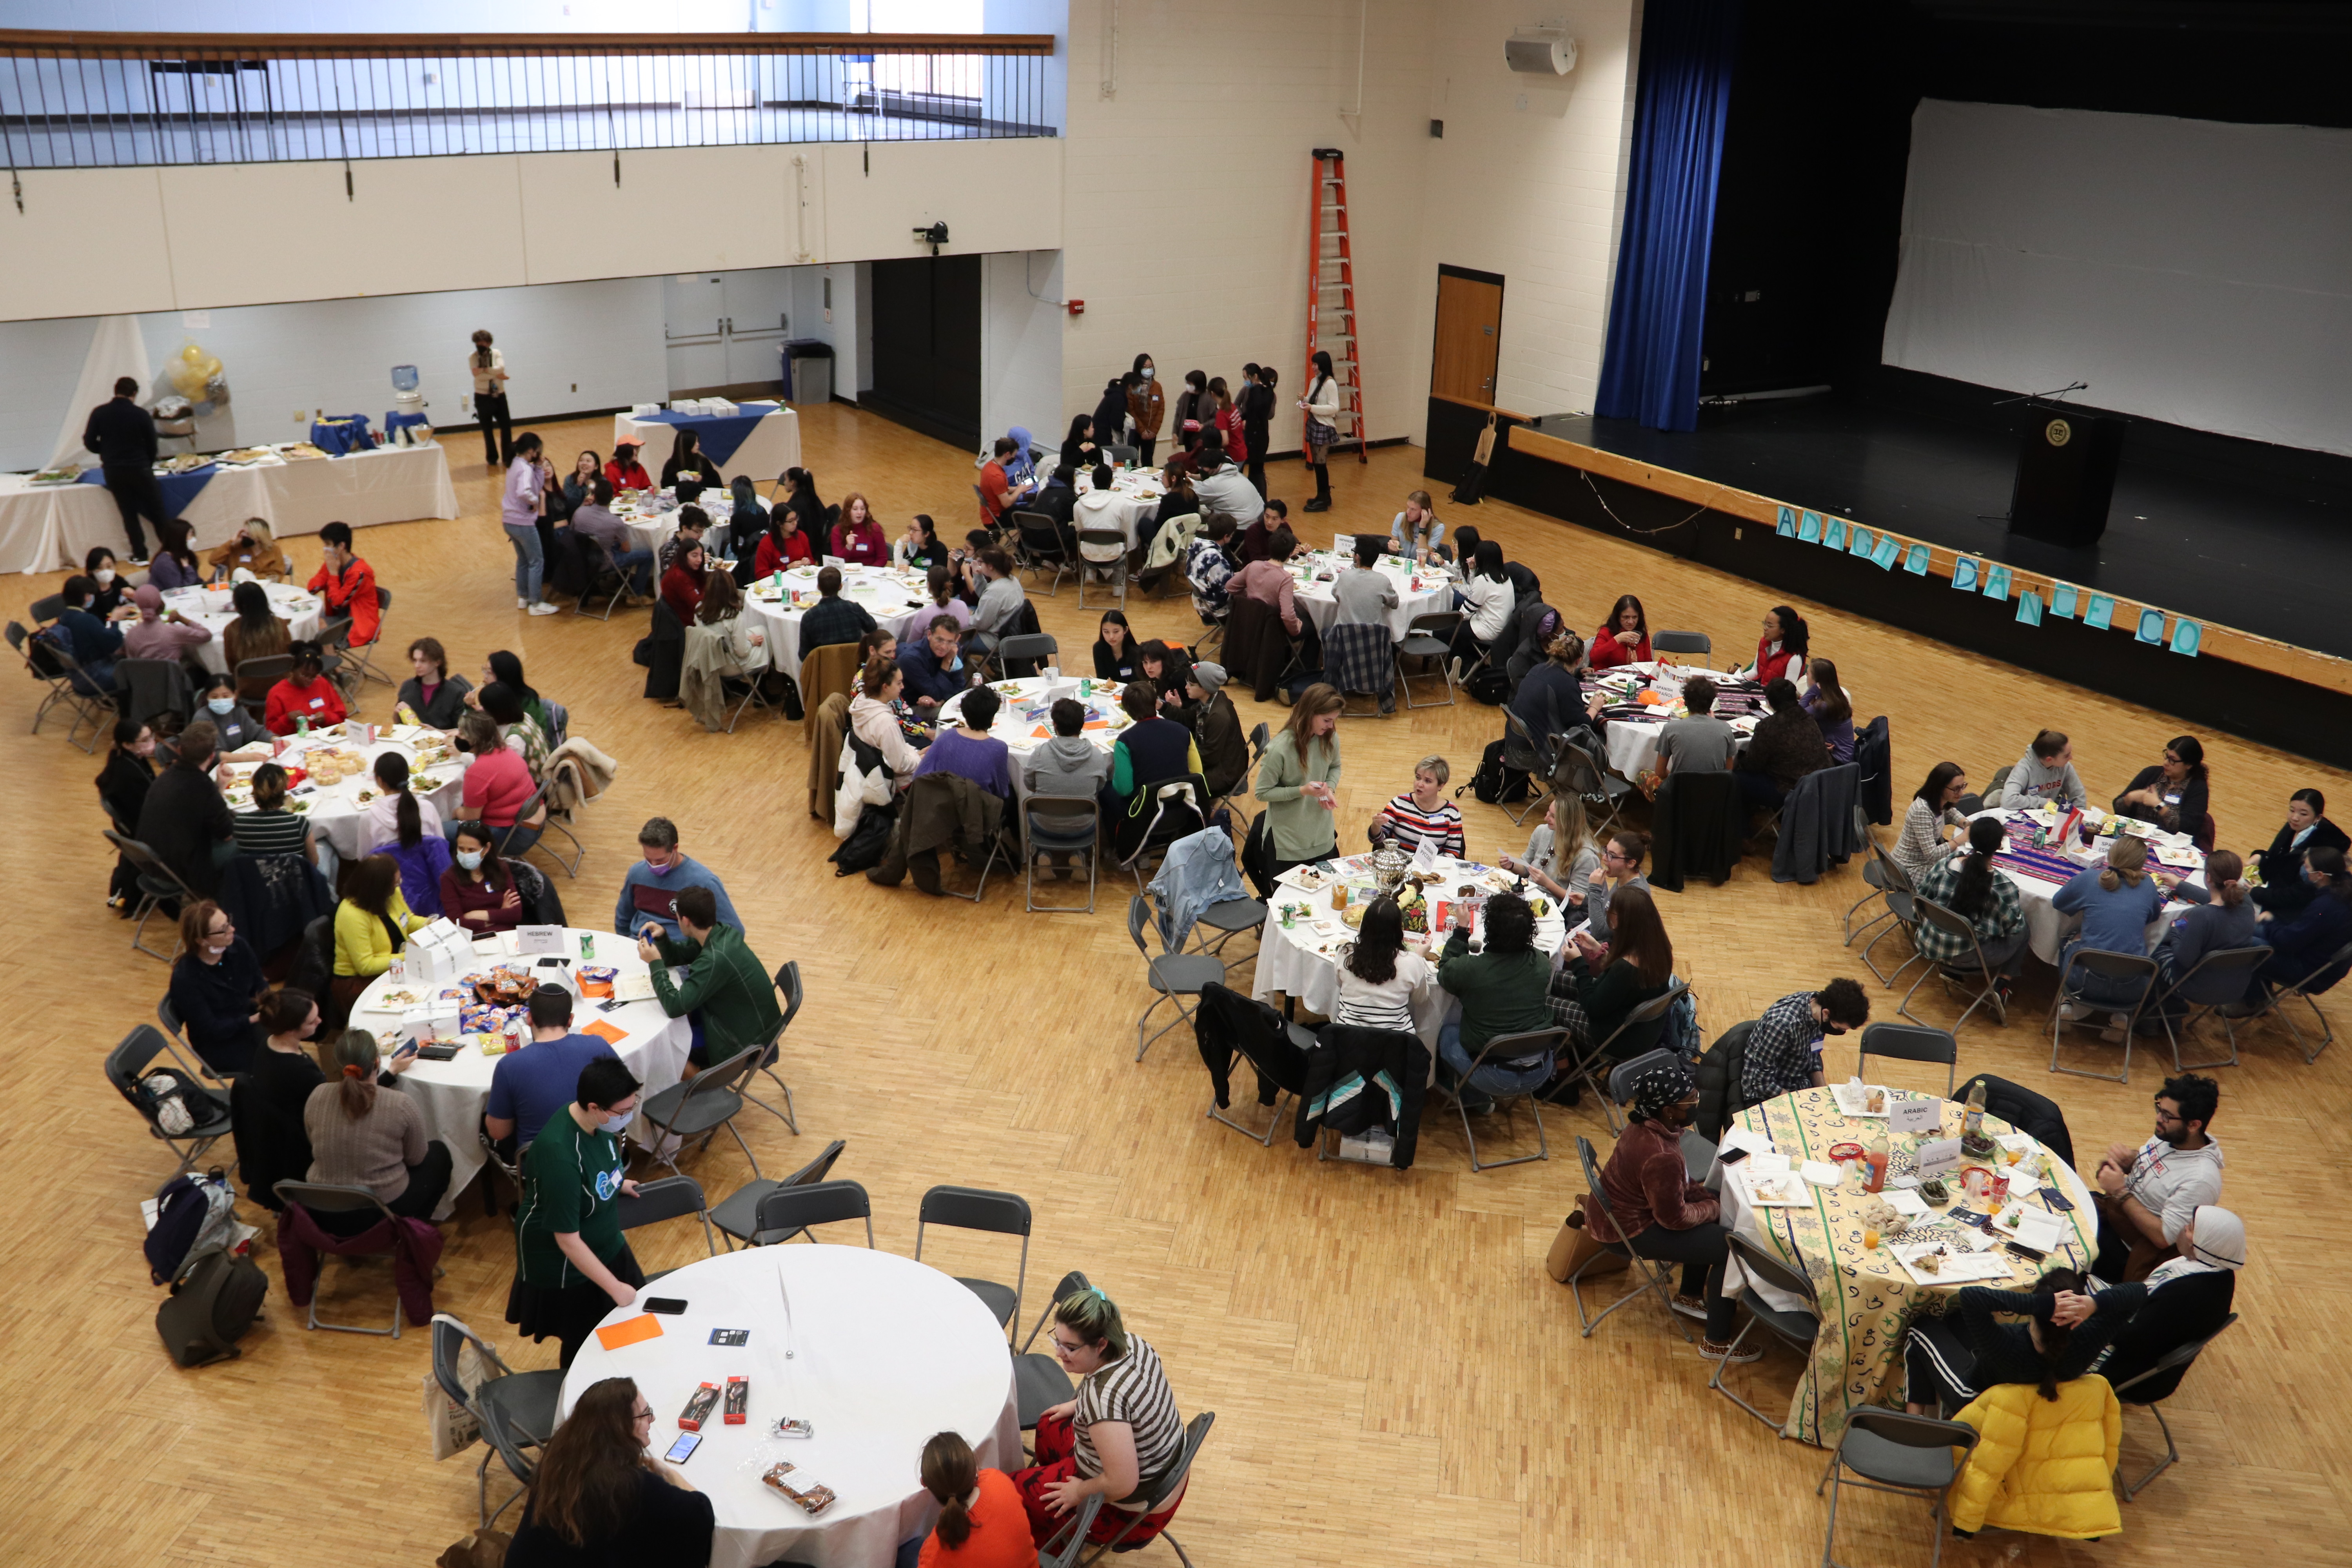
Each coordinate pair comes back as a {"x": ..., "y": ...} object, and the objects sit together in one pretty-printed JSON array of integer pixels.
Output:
[{"x": 1867, "y": 1298}]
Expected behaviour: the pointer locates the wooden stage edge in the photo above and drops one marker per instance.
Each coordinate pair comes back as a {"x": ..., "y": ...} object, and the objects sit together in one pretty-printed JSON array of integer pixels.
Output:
[{"x": 2301, "y": 664}]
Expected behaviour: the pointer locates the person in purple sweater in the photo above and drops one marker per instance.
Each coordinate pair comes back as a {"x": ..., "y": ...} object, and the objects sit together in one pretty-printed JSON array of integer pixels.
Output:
[{"x": 969, "y": 750}]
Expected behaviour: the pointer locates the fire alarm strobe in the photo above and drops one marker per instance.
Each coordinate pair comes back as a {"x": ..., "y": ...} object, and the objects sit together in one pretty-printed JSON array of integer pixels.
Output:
[{"x": 1077, "y": 307}]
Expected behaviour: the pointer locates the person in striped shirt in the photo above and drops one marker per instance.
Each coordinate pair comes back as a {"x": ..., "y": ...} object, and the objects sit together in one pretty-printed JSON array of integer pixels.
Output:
[
  {"x": 1118, "y": 1438},
  {"x": 1423, "y": 815},
  {"x": 1380, "y": 979},
  {"x": 270, "y": 828}
]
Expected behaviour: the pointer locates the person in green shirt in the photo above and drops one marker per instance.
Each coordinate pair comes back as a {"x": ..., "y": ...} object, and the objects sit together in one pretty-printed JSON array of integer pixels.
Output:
[
  {"x": 727, "y": 996},
  {"x": 1502, "y": 991},
  {"x": 572, "y": 1264},
  {"x": 1299, "y": 780}
]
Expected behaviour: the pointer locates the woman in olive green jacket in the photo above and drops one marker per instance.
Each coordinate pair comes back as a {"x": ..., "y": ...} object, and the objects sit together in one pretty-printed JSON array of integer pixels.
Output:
[{"x": 1298, "y": 779}]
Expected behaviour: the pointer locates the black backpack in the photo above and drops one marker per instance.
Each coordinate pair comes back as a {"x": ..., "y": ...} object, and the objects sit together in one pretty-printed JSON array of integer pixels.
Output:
[
  {"x": 1493, "y": 782},
  {"x": 1490, "y": 684},
  {"x": 211, "y": 1305}
]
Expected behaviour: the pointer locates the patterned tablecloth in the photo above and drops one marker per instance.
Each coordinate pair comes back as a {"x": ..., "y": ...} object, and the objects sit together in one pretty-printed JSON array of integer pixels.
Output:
[{"x": 1867, "y": 1298}]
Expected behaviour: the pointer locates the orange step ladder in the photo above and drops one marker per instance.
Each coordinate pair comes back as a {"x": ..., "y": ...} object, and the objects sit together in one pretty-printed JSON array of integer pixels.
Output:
[{"x": 1331, "y": 295}]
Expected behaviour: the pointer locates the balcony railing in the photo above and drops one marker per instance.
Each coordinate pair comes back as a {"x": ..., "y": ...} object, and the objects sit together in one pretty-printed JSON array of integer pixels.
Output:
[{"x": 136, "y": 100}]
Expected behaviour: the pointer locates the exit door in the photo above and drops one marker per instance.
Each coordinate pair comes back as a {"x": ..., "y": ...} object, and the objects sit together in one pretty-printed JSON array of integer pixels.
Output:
[
  {"x": 1468, "y": 343},
  {"x": 725, "y": 329}
]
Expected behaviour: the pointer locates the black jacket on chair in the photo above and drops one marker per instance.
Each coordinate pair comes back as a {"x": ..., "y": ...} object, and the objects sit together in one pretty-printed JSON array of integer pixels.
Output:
[
  {"x": 1230, "y": 1022},
  {"x": 1698, "y": 822},
  {"x": 1873, "y": 754},
  {"x": 272, "y": 899},
  {"x": 665, "y": 646},
  {"x": 1378, "y": 1077},
  {"x": 1719, "y": 1072},
  {"x": 2163, "y": 1320},
  {"x": 2026, "y": 1110}
]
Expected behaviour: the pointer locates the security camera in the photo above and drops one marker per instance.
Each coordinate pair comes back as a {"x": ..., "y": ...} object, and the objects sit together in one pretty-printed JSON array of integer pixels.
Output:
[{"x": 934, "y": 236}]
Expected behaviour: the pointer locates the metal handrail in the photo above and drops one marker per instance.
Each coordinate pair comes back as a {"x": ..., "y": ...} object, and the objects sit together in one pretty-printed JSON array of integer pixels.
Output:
[{"x": 25, "y": 43}]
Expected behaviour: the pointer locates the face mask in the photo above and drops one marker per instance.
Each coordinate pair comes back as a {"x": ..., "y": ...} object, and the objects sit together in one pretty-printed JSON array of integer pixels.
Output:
[
  {"x": 1146, "y": 373},
  {"x": 105, "y": 575},
  {"x": 220, "y": 704},
  {"x": 660, "y": 870},
  {"x": 217, "y": 947},
  {"x": 471, "y": 859}
]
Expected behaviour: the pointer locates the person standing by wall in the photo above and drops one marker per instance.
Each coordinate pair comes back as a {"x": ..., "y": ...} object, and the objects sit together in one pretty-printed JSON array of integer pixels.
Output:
[
  {"x": 1322, "y": 406},
  {"x": 1148, "y": 406},
  {"x": 122, "y": 433},
  {"x": 488, "y": 369}
]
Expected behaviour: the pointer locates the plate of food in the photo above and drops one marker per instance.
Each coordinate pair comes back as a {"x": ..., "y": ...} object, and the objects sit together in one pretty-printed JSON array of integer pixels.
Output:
[
  {"x": 67, "y": 475},
  {"x": 1783, "y": 1191},
  {"x": 1859, "y": 1099}
]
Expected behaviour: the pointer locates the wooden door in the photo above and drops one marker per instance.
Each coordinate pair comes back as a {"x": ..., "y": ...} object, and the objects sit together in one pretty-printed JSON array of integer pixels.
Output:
[{"x": 1469, "y": 335}]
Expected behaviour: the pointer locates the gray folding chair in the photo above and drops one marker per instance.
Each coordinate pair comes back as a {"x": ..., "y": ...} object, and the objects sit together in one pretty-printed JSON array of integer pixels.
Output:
[
  {"x": 1590, "y": 1067},
  {"x": 2234, "y": 968},
  {"x": 1680, "y": 642},
  {"x": 977, "y": 1208},
  {"x": 367, "y": 651},
  {"x": 2176, "y": 1360},
  {"x": 1528, "y": 1046},
  {"x": 1038, "y": 1381},
  {"x": 1059, "y": 825},
  {"x": 1957, "y": 975},
  {"x": 53, "y": 669},
  {"x": 600, "y": 560},
  {"x": 737, "y": 1218},
  {"x": 1172, "y": 975},
  {"x": 1890, "y": 1451},
  {"x": 788, "y": 986},
  {"x": 1228, "y": 917},
  {"x": 1887, "y": 873},
  {"x": 1872, "y": 876},
  {"x": 1902, "y": 1043},
  {"x": 322, "y": 1198},
  {"x": 516, "y": 1410},
  {"x": 2116, "y": 966},
  {"x": 1698, "y": 1148},
  {"x": 1102, "y": 549},
  {"x": 260, "y": 675},
  {"x": 551, "y": 825},
  {"x": 1575, "y": 771},
  {"x": 1071, "y": 1536},
  {"x": 671, "y": 1197},
  {"x": 1038, "y": 543},
  {"x": 1119, "y": 456},
  {"x": 2303, "y": 991},
  {"x": 1158, "y": 1496},
  {"x": 1521, "y": 748},
  {"x": 1654, "y": 1275},
  {"x": 1032, "y": 647},
  {"x": 208, "y": 1113},
  {"x": 1428, "y": 637},
  {"x": 158, "y": 884},
  {"x": 789, "y": 1212},
  {"x": 699, "y": 1107},
  {"x": 1796, "y": 1326},
  {"x": 511, "y": 1170},
  {"x": 167, "y": 1015}
]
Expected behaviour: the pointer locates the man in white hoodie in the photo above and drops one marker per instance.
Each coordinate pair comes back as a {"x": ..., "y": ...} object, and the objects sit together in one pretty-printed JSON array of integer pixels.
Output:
[
  {"x": 2147, "y": 1195},
  {"x": 2045, "y": 773}
]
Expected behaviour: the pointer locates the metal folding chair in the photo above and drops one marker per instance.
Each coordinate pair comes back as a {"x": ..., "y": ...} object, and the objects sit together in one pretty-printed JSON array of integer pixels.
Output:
[
  {"x": 999, "y": 1213},
  {"x": 1525, "y": 1045},
  {"x": 790, "y": 1211},
  {"x": 1059, "y": 825},
  {"x": 259, "y": 675},
  {"x": 1887, "y": 873},
  {"x": 1796, "y": 1326},
  {"x": 1172, "y": 975},
  {"x": 2107, "y": 967},
  {"x": 516, "y": 1410},
  {"x": 1163, "y": 1492},
  {"x": 1038, "y": 1381},
  {"x": 157, "y": 884},
  {"x": 600, "y": 560},
  {"x": 699, "y": 1107},
  {"x": 1428, "y": 637},
  {"x": 497, "y": 1161},
  {"x": 1653, "y": 1274},
  {"x": 367, "y": 651},
  {"x": 554, "y": 823},
  {"x": 57, "y": 678},
  {"x": 1102, "y": 549},
  {"x": 1976, "y": 972},
  {"x": 2302, "y": 991},
  {"x": 1680, "y": 642},
  {"x": 2235, "y": 967},
  {"x": 323, "y": 1197},
  {"x": 737, "y": 1218},
  {"x": 2178, "y": 1359},
  {"x": 788, "y": 985},
  {"x": 1541, "y": 765},
  {"x": 210, "y": 1121},
  {"x": 1900, "y": 1043},
  {"x": 1575, "y": 771},
  {"x": 1028, "y": 648},
  {"x": 1589, "y": 1068},
  {"x": 1038, "y": 542},
  {"x": 1893, "y": 1451},
  {"x": 671, "y": 1197}
]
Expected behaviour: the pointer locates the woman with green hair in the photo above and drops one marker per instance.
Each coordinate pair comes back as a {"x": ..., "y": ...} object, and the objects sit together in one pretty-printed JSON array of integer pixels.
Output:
[{"x": 1117, "y": 1439}]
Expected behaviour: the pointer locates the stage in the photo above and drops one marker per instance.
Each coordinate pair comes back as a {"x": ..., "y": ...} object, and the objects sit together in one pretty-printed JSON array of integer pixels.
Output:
[{"x": 2247, "y": 541}]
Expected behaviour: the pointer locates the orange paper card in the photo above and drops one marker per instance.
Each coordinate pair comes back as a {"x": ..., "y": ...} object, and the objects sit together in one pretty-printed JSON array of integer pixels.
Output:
[
  {"x": 645, "y": 1326},
  {"x": 605, "y": 1032}
]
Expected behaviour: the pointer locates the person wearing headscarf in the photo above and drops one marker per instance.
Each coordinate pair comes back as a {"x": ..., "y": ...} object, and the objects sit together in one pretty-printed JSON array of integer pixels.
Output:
[
  {"x": 158, "y": 633},
  {"x": 1659, "y": 1213},
  {"x": 2182, "y": 1300}
]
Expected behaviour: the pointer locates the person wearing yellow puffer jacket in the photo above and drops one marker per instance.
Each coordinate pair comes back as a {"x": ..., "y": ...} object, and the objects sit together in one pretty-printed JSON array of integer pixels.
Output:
[{"x": 2041, "y": 1466}]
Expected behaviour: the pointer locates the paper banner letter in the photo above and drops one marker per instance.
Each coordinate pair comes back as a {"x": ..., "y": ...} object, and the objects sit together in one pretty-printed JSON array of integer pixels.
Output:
[
  {"x": 2061, "y": 600},
  {"x": 1996, "y": 585},
  {"x": 2185, "y": 638},
  {"x": 2151, "y": 627},
  {"x": 1887, "y": 552},
  {"x": 2100, "y": 615},
  {"x": 1917, "y": 562},
  {"x": 1964, "y": 574},
  {"x": 2028, "y": 608},
  {"x": 1835, "y": 537},
  {"x": 1865, "y": 541},
  {"x": 1787, "y": 528},
  {"x": 1810, "y": 530}
]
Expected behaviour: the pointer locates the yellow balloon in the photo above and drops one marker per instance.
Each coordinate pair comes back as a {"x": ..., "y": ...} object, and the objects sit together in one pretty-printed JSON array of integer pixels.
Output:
[{"x": 191, "y": 354}]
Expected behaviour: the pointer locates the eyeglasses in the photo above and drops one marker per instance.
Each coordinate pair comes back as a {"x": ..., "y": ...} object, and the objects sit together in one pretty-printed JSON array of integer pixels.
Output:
[{"x": 2163, "y": 1116}]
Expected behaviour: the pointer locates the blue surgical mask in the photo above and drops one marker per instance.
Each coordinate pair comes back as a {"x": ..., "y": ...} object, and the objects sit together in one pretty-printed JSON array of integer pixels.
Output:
[
  {"x": 220, "y": 704},
  {"x": 471, "y": 859}
]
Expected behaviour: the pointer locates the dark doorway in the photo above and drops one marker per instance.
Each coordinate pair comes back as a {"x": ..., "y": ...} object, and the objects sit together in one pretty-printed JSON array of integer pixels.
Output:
[{"x": 926, "y": 315}]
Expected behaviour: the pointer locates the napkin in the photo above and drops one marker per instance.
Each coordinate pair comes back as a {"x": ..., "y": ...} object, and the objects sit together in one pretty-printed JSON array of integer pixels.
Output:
[
  {"x": 1905, "y": 1203},
  {"x": 1821, "y": 1174},
  {"x": 2036, "y": 1229},
  {"x": 1767, "y": 1164},
  {"x": 2022, "y": 1183}
]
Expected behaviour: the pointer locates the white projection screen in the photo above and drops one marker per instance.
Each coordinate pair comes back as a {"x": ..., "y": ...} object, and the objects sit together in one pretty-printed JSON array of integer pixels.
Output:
[{"x": 2191, "y": 271}]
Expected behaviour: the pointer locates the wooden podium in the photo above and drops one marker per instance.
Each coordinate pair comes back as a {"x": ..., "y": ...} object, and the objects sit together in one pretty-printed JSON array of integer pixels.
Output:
[{"x": 2066, "y": 461}]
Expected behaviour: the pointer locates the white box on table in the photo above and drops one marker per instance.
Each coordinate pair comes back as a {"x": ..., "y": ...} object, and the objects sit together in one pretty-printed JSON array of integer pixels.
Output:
[
  {"x": 439, "y": 954},
  {"x": 429, "y": 1021}
]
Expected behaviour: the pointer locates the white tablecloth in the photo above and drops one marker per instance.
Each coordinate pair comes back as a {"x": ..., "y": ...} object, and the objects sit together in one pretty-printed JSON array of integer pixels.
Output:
[
  {"x": 336, "y": 810},
  {"x": 213, "y": 609},
  {"x": 47, "y": 528},
  {"x": 1018, "y": 730},
  {"x": 884, "y": 1353},
  {"x": 1302, "y": 962},
  {"x": 884, "y": 591},
  {"x": 1321, "y": 601},
  {"x": 652, "y": 519},
  {"x": 2046, "y": 929},
  {"x": 773, "y": 445},
  {"x": 1634, "y": 743},
  {"x": 452, "y": 1094}
]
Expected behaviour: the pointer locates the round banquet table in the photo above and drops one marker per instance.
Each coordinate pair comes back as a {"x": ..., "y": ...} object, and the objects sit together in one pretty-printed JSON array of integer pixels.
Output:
[
  {"x": 899, "y": 601},
  {"x": 1316, "y": 571},
  {"x": 1023, "y": 723},
  {"x": 452, "y": 1094},
  {"x": 651, "y": 517},
  {"x": 1301, "y": 960},
  {"x": 212, "y": 609},
  {"x": 1634, "y": 743},
  {"x": 336, "y": 810},
  {"x": 1136, "y": 495},
  {"x": 2039, "y": 873},
  {"x": 1868, "y": 1297},
  {"x": 884, "y": 1353}
]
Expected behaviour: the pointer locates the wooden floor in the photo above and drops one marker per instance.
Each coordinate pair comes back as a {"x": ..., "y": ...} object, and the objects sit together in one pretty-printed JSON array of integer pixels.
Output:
[{"x": 1395, "y": 1378}]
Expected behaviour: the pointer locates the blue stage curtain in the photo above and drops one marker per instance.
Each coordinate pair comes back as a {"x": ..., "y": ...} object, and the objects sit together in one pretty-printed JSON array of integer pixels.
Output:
[{"x": 1650, "y": 370}]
